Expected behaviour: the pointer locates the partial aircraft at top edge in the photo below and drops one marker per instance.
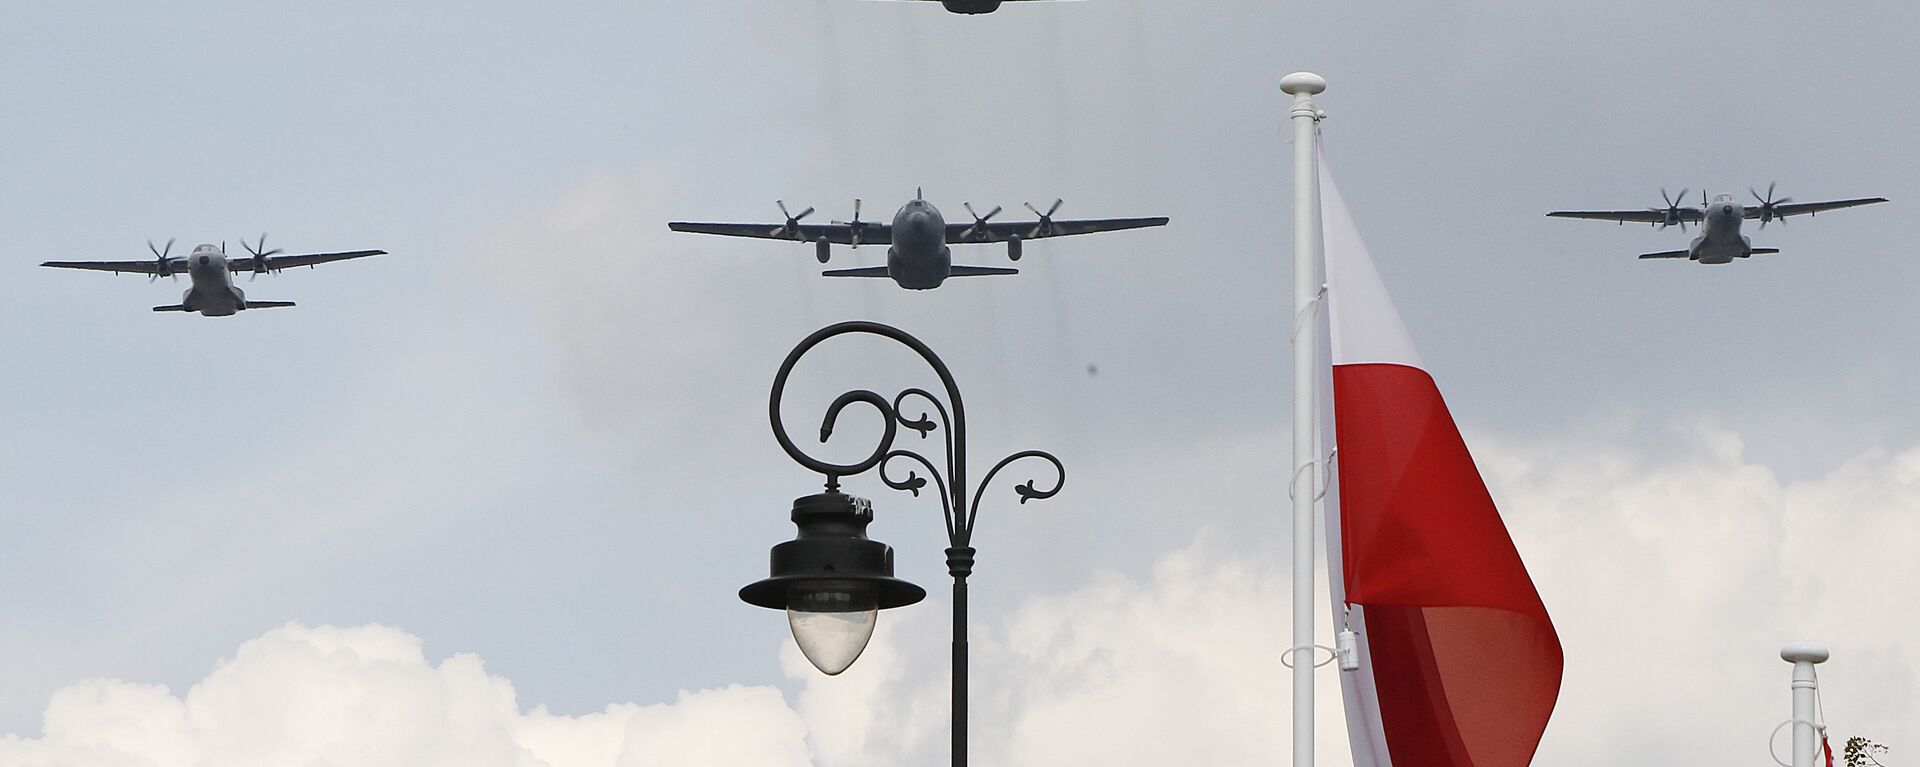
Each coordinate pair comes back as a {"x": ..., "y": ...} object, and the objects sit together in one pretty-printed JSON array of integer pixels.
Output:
[
  {"x": 975, "y": 6},
  {"x": 918, "y": 257},
  {"x": 213, "y": 293},
  {"x": 1720, "y": 240}
]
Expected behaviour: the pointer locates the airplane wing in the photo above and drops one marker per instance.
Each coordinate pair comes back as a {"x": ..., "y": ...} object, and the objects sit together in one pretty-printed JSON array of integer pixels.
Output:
[
  {"x": 1640, "y": 216},
  {"x": 839, "y": 234},
  {"x": 998, "y": 231},
  {"x": 276, "y": 263},
  {"x": 1797, "y": 208},
  {"x": 149, "y": 266}
]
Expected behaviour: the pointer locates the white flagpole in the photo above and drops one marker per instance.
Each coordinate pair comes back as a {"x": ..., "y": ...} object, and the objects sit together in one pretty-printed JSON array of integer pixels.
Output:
[
  {"x": 1304, "y": 486},
  {"x": 1806, "y": 689}
]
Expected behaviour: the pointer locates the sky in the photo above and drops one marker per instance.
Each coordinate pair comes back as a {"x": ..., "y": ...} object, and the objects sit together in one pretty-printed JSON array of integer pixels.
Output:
[{"x": 488, "y": 499}]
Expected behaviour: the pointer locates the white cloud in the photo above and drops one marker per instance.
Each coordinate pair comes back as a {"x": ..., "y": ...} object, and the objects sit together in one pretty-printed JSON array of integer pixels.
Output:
[
  {"x": 1674, "y": 568},
  {"x": 367, "y": 696},
  {"x": 1673, "y": 577}
]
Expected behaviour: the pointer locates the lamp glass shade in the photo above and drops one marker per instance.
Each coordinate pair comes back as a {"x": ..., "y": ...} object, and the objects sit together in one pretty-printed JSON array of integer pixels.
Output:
[{"x": 832, "y": 624}]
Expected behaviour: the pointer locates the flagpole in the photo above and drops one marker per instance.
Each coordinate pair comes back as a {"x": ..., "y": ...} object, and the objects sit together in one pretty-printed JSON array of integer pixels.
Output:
[
  {"x": 1806, "y": 693},
  {"x": 1304, "y": 486}
]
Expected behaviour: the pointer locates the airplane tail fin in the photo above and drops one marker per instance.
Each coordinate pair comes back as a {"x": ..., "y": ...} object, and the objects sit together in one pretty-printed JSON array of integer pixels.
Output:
[
  {"x": 267, "y": 304},
  {"x": 172, "y": 308},
  {"x": 980, "y": 271}
]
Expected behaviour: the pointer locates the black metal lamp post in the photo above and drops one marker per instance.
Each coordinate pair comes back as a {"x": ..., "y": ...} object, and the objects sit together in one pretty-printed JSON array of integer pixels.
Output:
[{"x": 831, "y": 579}]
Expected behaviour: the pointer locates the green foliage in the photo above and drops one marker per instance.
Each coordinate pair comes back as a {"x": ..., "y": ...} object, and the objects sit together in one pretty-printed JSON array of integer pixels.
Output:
[{"x": 1861, "y": 752}]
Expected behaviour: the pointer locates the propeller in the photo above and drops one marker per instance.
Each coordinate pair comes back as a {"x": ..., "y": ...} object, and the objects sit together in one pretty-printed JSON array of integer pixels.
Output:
[
  {"x": 793, "y": 222},
  {"x": 259, "y": 253},
  {"x": 161, "y": 265},
  {"x": 1768, "y": 205},
  {"x": 1672, "y": 211},
  {"x": 1046, "y": 219},
  {"x": 979, "y": 222},
  {"x": 853, "y": 227}
]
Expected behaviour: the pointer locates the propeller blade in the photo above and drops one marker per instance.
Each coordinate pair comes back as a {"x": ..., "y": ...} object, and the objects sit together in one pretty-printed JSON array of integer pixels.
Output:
[{"x": 1056, "y": 207}]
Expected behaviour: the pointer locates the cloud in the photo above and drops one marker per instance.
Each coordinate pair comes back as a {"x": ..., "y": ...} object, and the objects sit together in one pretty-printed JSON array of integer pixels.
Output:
[
  {"x": 367, "y": 696},
  {"x": 1673, "y": 566}
]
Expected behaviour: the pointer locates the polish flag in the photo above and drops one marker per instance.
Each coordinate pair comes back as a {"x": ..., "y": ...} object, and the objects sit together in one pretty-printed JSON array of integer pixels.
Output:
[{"x": 1459, "y": 663}]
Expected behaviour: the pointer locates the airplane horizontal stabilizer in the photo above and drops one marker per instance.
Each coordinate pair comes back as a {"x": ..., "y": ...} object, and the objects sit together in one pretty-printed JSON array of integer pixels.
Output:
[
  {"x": 267, "y": 304},
  {"x": 1766, "y": 250},
  {"x": 172, "y": 308},
  {"x": 980, "y": 271},
  {"x": 865, "y": 271},
  {"x": 1666, "y": 254}
]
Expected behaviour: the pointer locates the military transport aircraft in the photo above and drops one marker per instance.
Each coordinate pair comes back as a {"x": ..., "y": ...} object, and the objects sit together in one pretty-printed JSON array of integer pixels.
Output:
[
  {"x": 918, "y": 258},
  {"x": 974, "y": 6},
  {"x": 1720, "y": 240},
  {"x": 213, "y": 293}
]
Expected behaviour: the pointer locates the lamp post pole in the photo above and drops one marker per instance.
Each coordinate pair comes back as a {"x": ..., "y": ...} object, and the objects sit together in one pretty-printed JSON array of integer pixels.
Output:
[{"x": 796, "y": 574}]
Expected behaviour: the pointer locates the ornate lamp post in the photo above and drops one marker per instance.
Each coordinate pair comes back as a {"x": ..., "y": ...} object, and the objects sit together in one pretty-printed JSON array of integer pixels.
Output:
[{"x": 831, "y": 579}]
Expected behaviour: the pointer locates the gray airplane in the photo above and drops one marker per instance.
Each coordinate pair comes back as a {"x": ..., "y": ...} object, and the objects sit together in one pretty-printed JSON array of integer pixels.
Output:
[
  {"x": 213, "y": 293},
  {"x": 974, "y": 6},
  {"x": 1720, "y": 240},
  {"x": 918, "y": 257}
]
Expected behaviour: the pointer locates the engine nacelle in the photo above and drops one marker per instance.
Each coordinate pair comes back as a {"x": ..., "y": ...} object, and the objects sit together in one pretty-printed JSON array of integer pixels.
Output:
[
  {"x": 1013, "y": 247},
  {"x": 822, "y": 250}
]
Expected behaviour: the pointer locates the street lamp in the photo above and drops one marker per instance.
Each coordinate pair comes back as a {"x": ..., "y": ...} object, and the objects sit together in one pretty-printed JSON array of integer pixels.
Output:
[{"x": 831, "y": 579}]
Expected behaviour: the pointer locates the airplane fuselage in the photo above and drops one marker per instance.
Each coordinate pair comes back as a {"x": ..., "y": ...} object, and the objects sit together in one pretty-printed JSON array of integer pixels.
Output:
[
  {"x": 1720, "y": 240},
  {"x": 919, "y": 258},
  {"x": 213, "y": 293},
  {"x": 971, "y": 6}
]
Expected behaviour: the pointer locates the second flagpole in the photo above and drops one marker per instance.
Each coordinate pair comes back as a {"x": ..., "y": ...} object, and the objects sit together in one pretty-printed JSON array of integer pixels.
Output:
[{"x": 1304, "y": 485}]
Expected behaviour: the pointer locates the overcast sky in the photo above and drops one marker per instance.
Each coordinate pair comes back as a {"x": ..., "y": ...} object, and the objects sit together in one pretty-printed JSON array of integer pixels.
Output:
[{"x": 507, "y": 479}]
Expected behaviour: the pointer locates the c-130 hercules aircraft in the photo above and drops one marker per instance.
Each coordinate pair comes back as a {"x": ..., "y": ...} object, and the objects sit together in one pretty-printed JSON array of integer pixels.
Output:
[
  {"x": 918, "y": 257},
  {"x": 1720, "y": 240},
  {"x": 974, "y": 6},
  {"x": 213, "y": 293}
]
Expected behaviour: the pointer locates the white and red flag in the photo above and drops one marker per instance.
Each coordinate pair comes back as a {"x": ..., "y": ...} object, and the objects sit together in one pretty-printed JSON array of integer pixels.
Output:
[{"x": 1459, "y": 663}]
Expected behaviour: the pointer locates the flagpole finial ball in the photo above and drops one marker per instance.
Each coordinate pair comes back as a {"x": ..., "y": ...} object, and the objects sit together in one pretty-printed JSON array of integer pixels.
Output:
[
  {"x": 1302, "y": 82},
  {"x": 1803, "y": 652}
]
